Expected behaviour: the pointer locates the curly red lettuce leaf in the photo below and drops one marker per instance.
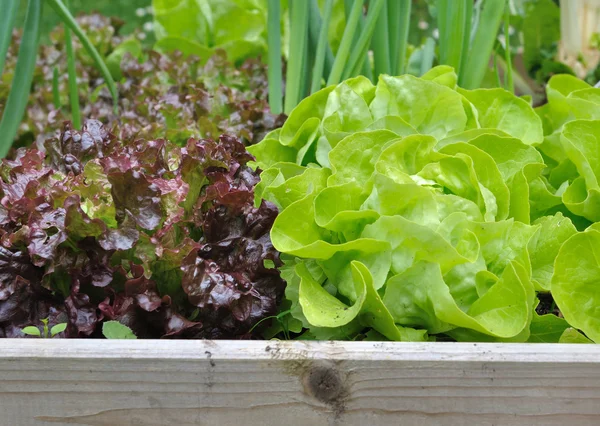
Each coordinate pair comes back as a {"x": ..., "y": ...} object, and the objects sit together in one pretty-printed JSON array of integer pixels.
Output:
[
  {"x": 160, "y": 95},
  {"x": 162, "y": 238}
]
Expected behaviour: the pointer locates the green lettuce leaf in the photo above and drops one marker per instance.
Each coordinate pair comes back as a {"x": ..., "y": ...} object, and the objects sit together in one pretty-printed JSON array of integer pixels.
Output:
[
  {"x": 547, "y": 329},
  {"x": 500, "y": 110},
  {"x": 571, "y": 335},
  {"x": 207, "y": 25},
  {"x": 575, "y": 282},
  {"x": 412, "y": 208},
  {"x": 544, "y": 246},
  {"x": 580, "y": 141},
  {"x": 427, "y": 106}
]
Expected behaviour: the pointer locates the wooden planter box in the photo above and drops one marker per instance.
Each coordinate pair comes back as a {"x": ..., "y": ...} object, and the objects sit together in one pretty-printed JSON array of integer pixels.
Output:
[{"x": 152, "y": 383}]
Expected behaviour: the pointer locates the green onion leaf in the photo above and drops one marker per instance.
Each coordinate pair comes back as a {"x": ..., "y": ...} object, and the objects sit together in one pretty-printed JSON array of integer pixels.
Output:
[
  {"x": 483, "y": 44},
  {"x": 366, "y": 65},
  {"x": 428, "y": 55},
  {"x": 468, "y": 25},
  {"x": 521, "y": 85},
  {"x": 497, "y": 71},
  {"x": 274, "y": 59},
  {"x": 298, "y": 44},
  {"x": 69, "y": 21},
  {"x": 381, "y": 43},
  {"x": 451, "y": 25},
  {"x": 362, "y": 45},
  {"x": 442, "y": 23},
  {"x": 398, "y": 26},
  {"x": 341, "y": 58},
  {"x": 73, "y": 90},
  {"x": 7, "y": 22},
  {"x": 509, "y": 71},
  {"x": 322, "y": 47},
  {"x": 21, "y": 84},
  {"x": 55, "y": 91},
  {"x": 314, "y": 27}
]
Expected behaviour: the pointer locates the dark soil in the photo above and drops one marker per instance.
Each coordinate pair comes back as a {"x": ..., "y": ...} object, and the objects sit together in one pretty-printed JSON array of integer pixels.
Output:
[{"x": 547, "y": 305}]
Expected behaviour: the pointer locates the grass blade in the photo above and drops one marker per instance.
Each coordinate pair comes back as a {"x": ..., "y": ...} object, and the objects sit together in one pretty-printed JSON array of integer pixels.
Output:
[
  {"x": 314, "y": 34},
  {"x": 73, "y": 89},
  {"x": 509, "y": 71},
  {"x": 483, "y": 44},
  {"x": 298, "y": 44},
  {"x": 322, "y": 46},
  {"x": 343, "y": 53},
  {"x": 362, "y": 45},
  {"x": 451, "y": 24},
  {"x": 274, "y": 70},
  {"x": 381, "y": 43},
  {"x": 69, "y": 21},
  {"x": 401, "y": 18},
  {"x": 21, "y": 84},
  {"x": 7, "y": 22},
  {"x": 55, "y": 91}
]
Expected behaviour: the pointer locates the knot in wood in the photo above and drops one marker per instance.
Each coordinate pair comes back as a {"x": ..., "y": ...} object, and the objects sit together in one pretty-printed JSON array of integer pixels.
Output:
[{"x": 324, "y": 383}]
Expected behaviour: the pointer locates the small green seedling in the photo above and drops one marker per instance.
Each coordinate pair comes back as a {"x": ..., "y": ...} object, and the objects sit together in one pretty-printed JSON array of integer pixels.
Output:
[
  {"x": 45, "y": 332},
  {"x": 281, "y": 318},
  {"x": 116, "y": 330}
]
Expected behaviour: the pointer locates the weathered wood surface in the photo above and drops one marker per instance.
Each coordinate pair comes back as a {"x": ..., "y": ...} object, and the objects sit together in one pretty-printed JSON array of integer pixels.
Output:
[{"x": 152, "y": 383}]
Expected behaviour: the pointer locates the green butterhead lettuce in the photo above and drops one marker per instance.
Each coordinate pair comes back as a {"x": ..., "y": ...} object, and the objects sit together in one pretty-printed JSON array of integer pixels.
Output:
[
  {"x": 201, "y": 27},
  {"x": 412, "y": 209},
  {"x": 576, "y": 282}
]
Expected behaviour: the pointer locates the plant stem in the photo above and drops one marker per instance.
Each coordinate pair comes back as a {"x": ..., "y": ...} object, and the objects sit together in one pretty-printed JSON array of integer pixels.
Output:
[
  {"x": 381, "y": 42},
  {"x": 55, "y": 91},
  {"x": 483, "y": 44},
  {"x": 316, "y": 23},
  {"x": 14, "y": 109},
  {"x": 7, "y": 22},
  {"x": 298, "y": 42},
  {"x": 322, "y": 46},
  {"x": 73, "y": 90},
  {"x": 69, "y": 21},
  {"x": 274, "y": 56},
  {"x": 509, "y": 71},
  {"x": 343, "y": 52},
  {"x": 362, "y": 45}
]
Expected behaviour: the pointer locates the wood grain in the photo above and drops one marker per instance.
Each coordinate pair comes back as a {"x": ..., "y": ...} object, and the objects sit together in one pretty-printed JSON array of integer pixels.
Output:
[{"x": 155, "y": 383}]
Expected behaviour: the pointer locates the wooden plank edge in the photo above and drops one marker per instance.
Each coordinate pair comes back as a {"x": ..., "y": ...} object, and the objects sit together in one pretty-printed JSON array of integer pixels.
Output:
[{"x": 268, "y": 350}]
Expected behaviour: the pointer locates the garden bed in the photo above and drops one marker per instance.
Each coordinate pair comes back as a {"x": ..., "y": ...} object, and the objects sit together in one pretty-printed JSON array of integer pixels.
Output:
[
  {"x": 388, "y": 188},
  {"x": 94, "y": 382}
]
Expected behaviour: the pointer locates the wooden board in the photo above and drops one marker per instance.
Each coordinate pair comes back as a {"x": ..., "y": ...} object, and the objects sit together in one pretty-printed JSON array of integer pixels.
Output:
[{"x": 152, "y": 383}]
